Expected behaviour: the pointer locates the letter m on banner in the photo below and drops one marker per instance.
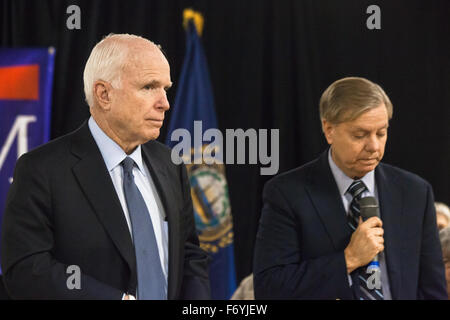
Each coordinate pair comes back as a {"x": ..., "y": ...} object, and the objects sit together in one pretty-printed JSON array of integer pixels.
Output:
[{"x": 25, "y": 97}]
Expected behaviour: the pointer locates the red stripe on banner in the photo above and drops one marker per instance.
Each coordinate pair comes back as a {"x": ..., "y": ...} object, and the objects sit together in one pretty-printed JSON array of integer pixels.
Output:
[{"x": 19, "y": 82}]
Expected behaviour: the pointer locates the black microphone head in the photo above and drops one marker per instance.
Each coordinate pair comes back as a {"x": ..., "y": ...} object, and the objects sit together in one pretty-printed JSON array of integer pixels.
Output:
[{"x": 368, "y": 207}]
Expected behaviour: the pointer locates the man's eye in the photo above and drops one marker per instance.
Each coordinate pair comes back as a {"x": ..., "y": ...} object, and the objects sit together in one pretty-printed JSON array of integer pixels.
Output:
[
  {"x": 381, "y": 135},
  {"x": 358, "y": 137},
  {"x": 149, "y": 87}
]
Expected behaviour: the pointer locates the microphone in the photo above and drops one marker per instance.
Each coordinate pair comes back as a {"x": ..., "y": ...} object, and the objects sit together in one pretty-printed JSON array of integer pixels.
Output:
[{"x": 368, "y": 207}]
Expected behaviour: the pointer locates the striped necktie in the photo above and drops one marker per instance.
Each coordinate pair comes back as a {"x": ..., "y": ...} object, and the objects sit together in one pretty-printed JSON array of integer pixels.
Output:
[
  {"x": 356, "y": 190},
  {"x": 150, "y": 276},
  {"x": 366, "y": 279}
]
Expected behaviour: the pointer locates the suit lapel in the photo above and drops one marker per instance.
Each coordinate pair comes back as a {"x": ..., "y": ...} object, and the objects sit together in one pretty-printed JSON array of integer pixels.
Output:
[
  {"x": 327, "y": 200},
  {"x": 160, "y": 176},
  {"x": 96, "y": 184},
  {"x": 325, "y": 196},
  {"x": 391, "y": 214}
]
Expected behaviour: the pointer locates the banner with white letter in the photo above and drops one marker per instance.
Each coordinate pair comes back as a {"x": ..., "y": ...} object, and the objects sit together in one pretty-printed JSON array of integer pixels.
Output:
[{"x": 26, "y": 77}]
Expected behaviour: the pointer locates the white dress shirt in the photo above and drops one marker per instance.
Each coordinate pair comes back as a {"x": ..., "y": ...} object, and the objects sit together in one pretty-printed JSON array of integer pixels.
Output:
[
  {"x": 343, "y": 183},
  {"x": 113, "y": 155}
]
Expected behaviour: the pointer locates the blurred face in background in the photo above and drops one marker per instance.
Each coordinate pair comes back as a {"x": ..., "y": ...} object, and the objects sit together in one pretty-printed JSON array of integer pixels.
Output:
[
  {"x": 441, "y": 220},
  {"x": 357, "y": 146}
]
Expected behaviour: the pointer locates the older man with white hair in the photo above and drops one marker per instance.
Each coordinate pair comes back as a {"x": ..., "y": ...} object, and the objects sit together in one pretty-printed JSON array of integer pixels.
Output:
[
  {"x": 444, "y": 236},
  {"x": 103, "y": 213},
  {"x": 442, "y": 215}
]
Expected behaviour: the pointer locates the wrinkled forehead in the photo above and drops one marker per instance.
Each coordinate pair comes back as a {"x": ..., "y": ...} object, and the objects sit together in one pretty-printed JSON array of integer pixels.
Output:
[{"x": 145, "y": 56}]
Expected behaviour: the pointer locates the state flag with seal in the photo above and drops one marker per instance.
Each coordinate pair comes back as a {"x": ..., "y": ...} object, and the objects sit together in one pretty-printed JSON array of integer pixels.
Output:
[{"x": 194, "y": 102}]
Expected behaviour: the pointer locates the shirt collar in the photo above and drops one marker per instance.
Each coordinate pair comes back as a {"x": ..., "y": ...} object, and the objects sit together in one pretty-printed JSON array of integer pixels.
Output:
[
  {"x": 112, "y": 153},
  {"x": 343, "y": 181}
]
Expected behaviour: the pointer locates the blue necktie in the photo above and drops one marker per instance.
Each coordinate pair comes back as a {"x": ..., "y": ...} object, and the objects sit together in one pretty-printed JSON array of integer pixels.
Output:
[
  {"x": 356, "y": 190},
  {"x": 150, "y": 276},
  {"x": 362, "y": 277}
]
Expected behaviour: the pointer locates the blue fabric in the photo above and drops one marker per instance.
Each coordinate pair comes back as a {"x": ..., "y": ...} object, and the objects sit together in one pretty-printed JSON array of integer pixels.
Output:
[
  {"x": 194, "y": 101},
  {"x": 151, "y": 284},
  {"x": 36, "y": 130}
]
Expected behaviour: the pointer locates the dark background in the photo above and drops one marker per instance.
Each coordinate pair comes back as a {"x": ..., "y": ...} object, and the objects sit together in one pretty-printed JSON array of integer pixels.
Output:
[{"x": 269, "y": 63}]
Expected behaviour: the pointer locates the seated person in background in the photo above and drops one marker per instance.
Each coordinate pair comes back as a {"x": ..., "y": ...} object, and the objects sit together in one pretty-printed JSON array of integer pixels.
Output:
[
  {"x": 245, "y": 290},
  {"x": 444, "y": 235},
  {"x": 442, "y": 215}
]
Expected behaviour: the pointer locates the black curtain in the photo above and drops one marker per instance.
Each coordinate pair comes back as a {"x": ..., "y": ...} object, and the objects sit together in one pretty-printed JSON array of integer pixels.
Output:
[{"x": 269, "y": 63}]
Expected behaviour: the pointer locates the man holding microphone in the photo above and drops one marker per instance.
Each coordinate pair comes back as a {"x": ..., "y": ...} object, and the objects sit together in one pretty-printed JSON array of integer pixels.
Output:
[{"x": 314, "y": 241}]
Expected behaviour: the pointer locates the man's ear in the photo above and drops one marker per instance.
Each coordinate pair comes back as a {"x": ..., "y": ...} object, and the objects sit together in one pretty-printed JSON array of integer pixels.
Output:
[
  {"x": 328, "y": 130},
  {"x": 103, "y": 94}
]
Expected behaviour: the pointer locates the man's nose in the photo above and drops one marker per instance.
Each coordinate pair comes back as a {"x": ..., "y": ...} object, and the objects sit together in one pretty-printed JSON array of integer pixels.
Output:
[
  {"x": 163, "y": 101},
  {"x": 373, "y": 144}
]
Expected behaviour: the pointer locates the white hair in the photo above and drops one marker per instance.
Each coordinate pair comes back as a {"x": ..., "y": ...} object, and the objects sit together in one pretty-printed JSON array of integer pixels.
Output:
[
  {"x": 442, "y": 208},
  {"x": 107, "y": 60},
  {"x": 444, "y": 236}
]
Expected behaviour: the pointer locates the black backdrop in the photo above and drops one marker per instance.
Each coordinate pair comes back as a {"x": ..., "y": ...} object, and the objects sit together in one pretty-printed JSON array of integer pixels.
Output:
[{"x": 269, "y": 62}]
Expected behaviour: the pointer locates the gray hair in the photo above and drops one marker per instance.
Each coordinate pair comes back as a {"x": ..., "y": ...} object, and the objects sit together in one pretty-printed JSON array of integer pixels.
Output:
[
  {"x": 346, "y": 99},
  {"x": 443, "y": 209},
  {"x": 444, "y": 236},
  {"x": 107, "y": 60}
]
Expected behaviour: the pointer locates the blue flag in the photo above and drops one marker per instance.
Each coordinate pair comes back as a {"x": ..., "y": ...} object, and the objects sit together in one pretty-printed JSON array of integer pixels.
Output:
[
  {"x": 25, "y": 98},
  {"x": 194, "y": 112}
]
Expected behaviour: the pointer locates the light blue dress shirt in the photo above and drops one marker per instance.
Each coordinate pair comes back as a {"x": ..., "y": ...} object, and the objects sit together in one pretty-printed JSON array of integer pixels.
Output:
[
  {"x": 343, "y": 183},
  {"x": 113, "y": 155}
]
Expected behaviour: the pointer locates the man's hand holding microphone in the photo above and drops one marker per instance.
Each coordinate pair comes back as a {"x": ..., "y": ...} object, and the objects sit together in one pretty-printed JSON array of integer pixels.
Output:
[{"x": 367, "y": 240}]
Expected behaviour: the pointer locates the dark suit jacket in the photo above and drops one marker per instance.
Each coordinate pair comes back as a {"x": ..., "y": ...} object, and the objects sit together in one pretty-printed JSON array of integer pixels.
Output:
[
  {"x": 303, "y": 232},
  {"x": 62, "y": 209}
]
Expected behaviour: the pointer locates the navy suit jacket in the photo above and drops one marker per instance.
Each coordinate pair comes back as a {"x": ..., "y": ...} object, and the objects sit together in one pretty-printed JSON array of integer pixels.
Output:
[
  {"x": 303, "y": 231},
  {"x": 62, "y": 209}
]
